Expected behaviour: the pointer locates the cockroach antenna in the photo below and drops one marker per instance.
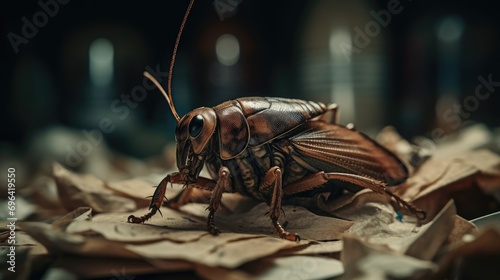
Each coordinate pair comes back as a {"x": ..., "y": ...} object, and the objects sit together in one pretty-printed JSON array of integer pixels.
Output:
[{"x": 168, "y": 94}]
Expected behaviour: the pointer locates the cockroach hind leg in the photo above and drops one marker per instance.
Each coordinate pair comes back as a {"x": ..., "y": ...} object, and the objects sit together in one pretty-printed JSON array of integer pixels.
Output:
[
  {"x": 290, "y": 236},
  {"x": 418, "y": 213},
  {"x": 421, "y": 214},
  {"x": 285, "y": 234}
]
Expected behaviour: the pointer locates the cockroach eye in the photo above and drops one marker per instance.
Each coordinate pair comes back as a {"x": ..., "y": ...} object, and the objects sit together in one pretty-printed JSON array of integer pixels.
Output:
[{"x": 195, "y": 126}]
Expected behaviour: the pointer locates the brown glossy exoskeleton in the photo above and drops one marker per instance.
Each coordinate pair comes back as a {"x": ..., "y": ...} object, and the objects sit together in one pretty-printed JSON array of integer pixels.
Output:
[{"x": 271, "y": 149}]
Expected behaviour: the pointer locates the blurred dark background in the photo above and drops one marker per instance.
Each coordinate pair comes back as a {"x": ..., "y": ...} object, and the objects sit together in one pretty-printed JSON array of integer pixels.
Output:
[{"x": 72, "y": 70}]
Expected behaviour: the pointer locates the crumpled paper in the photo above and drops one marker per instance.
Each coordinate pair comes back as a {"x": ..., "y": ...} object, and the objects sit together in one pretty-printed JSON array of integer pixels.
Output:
[
  {"x": 86, "y": 190},
  {"x": 359, "y": 235}
]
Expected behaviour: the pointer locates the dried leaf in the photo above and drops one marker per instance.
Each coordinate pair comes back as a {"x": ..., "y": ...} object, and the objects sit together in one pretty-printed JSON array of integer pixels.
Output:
[
  {"x": 376, "y": 221},
  {"x": 460, "y": 178},
  {"x": 430, "y": 238},
  {"x": 308, "y": 225},
  {"x": 422, "y": 242},
  {"x": 367, "y": 261},
  {"x": 289, "y": 267},
  {"x": 321, "y": 248},
  {"x": 117, "y": 268},
  {"x": 86, "y": 190},
  {"x": 140, "y": 190},
  {"x": 439, "y": 172},
  {"x": 127, "y": 232},
  {"x": 50, "y": 237},
  {"x": 227, "y": 250},
  {"x": 350, "y": 205},
  {"x": 466, "y": 139},
  {"x": 460, "y": 228},
  {"x": 42, "y": 194},
  {"x": 168, "y": 218},
  {"x": 248, "y": 247},
  {"x": 298, "y": 219},
  {"x": 295, "y": 267},
  {"x": 79, "y": 214},
  {"x": 57, "y": 241}
]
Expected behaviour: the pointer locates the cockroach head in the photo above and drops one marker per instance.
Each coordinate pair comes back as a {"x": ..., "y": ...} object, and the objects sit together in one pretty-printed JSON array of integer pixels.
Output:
[{"x": 193, "y": 137}]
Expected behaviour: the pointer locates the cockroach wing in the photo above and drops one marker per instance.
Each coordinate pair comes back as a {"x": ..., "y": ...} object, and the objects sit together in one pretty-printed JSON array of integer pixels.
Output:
[
  {"x": 270, "y": 117},
  {"x": 322, "y": 146}
]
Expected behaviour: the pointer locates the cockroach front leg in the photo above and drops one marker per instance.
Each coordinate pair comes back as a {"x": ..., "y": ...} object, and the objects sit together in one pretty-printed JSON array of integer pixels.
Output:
[
  {"x": 273, "y": 181},
  {"x": 157, "y": 199},
  {"x": 223, "y": 185},
  {"x": 190, "y": 195}
]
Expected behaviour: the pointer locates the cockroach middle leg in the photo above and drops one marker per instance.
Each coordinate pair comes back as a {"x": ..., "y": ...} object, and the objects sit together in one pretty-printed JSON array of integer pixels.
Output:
[
  {"x": 223, "y": 185},
  {"x": 273, "y": 179}
]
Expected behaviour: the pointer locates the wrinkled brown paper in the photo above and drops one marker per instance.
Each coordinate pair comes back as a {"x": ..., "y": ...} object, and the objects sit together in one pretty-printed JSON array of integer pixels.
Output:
[{"x": 361, "y": 235}]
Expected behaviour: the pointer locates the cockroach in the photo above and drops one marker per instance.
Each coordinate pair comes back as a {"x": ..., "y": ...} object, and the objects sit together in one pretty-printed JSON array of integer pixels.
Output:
[{"x": 272, "y": 149}]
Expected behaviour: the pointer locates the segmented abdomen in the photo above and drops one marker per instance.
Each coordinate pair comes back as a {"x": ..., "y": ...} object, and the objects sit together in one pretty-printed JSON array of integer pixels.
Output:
[{"x": 249, "y": 169}]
